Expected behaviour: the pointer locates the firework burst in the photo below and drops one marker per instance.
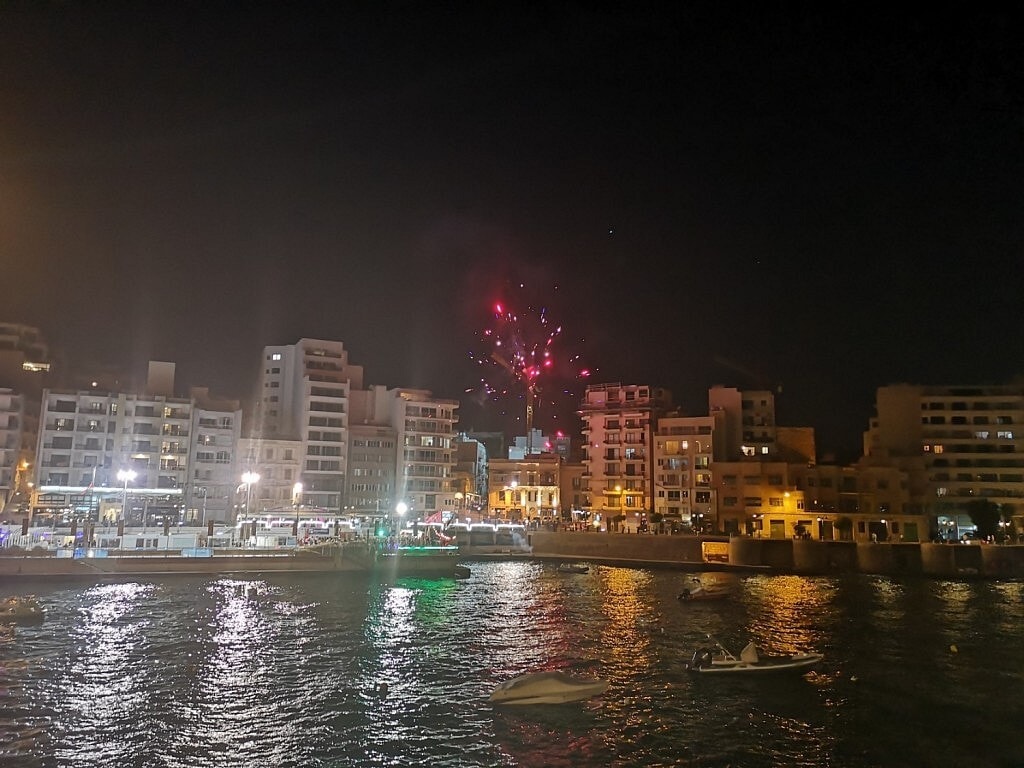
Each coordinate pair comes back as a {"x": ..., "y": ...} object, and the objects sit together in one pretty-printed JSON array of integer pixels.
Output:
[{"x": 520, "y": 359}]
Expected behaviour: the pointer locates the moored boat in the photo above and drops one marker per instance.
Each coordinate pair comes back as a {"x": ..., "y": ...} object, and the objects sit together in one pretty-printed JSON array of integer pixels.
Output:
[
  {"x": 573, "y": 568},
  {"x": 547, "y": 688},
  {"x": 750, "y": 662},
  {"x": 695, "y": 591}
]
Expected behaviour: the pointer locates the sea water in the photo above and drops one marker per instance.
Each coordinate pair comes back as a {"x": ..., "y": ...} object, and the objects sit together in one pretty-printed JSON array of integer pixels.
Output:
[{"x": 345, "y": 670}]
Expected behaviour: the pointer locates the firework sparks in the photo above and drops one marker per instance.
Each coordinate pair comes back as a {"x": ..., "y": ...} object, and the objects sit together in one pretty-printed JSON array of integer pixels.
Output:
[{"x": 519, "y": 357}]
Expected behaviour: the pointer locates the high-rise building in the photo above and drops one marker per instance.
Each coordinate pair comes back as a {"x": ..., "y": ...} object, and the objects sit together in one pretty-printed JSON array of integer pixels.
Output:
[
  {"x": 304, "y": 393},
  {"x": 425, "y": 429},
  {"x": 619, "y": 422},
  {"x": 684, "y": 456}
]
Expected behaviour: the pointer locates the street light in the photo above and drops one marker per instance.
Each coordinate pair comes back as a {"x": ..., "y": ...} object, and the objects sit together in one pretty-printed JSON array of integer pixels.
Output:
[
  {"x": 400, "y": 509},
  {"x": 249, "y": 478},
  {"x": 296, "y": 503},
  {"x": 126, "y": 476}
]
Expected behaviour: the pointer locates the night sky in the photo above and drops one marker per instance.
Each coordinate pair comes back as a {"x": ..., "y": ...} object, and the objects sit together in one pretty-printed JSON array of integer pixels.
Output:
[{"x": 823, "y": 200}]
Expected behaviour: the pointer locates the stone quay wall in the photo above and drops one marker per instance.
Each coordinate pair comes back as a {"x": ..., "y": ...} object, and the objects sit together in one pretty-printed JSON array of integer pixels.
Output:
[{"x": 799, "y": 556}]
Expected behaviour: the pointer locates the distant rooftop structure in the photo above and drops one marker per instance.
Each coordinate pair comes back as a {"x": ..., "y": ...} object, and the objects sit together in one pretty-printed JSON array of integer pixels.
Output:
[{"x": 539, "y": 443}]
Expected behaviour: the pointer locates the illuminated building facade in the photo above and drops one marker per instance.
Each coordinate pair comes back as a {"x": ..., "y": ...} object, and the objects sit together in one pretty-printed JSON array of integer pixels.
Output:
[
  {"x": 863, "y": 502},
  {"x": 86, "y": 437},
  {"x": 759, "y": 498},
  {"x": 684, "y": 457},
  {"x": 304, "y": 394},
  {"x": 619, "y": 422},
  {"x": 426, "y": 429},
  {"x": 278, "y": 463},
  {"x": 372, "y": 463},
  {"x": 970, "y": 440},
  {"x": 525, "y": 490}
]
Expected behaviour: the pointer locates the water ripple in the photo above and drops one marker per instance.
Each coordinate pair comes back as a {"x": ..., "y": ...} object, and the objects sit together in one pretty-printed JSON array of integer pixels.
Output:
[{"x": 342, "y": 670}]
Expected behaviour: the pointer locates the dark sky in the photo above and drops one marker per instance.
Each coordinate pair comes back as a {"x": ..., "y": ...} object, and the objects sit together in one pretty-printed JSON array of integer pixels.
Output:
[{"x": 821, "y": 199}]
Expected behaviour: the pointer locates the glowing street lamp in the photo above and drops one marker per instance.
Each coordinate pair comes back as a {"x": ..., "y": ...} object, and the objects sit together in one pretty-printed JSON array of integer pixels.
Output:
[
  {"x": 125, "y": 476},
  {"x": 296, "y": 503},
  {"x": 400, "y": 509},
  {"x": 248, "y": 478}
]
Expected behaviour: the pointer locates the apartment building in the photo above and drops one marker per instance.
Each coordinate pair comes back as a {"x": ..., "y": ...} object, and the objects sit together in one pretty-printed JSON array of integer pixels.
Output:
[
  {"x": 12, "y": 415},
  {"x": 619, "y": 422},
  {"x": 525, "y": 490},
  {"x": 213, "y": 459},
  {"x": 304, "y": 393},
  {"x": 759, "y": 498},
  {"x": 372, "y": 467},
  {"x": 25, "y": 369},
  {"x": 863, "y": 502},
  {"x": 748, "y": 428},
  {"x": 273, "y": 468},
  {"x": 969, "y": 438},
  {"x": 86, "y": 438},
  {"x": 684, "y": 457},
  {"x": 426, "y": 429},
  {"x": 471, "y": 466},
  {"x": 573, "y": 493}
]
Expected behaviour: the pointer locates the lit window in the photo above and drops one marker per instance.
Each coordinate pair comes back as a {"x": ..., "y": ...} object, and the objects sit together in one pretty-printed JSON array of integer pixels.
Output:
[
  {"x": 938, "y": 449},
  {"x": 276, "y": 356}
]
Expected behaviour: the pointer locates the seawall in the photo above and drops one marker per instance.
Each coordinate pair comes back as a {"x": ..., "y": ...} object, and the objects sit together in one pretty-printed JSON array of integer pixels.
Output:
[
  {"x": 798, "y": 556},
  {"x": 352, "y": 558}
]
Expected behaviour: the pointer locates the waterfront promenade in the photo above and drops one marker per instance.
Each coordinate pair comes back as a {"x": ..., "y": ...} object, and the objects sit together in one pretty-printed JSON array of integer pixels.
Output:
[
  {"x": 681, "y": 552},
  {"x": 352, "y": 557}
]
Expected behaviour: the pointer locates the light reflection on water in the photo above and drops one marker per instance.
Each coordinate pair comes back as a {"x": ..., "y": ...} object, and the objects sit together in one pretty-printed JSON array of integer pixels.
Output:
[{"x": 286, "y": 671}]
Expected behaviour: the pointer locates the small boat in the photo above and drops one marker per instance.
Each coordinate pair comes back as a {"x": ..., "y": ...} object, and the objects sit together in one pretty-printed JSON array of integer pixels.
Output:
[
  {"x": 750, "y": 662},
  {"x": 21, "y": 610},
  {"x": 547, "y": 688},
  {"x": 573, "y": 568},
  {"x": 695, "y": 591}
]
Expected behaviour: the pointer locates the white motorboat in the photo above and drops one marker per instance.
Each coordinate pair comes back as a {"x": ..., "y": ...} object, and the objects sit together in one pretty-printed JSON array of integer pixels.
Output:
[
  {"x": 750, "y": 662},
  {"x": 547, "y": 688},
  {"x": 695, "y": 592},
  {"x": 573, "y": 568}
]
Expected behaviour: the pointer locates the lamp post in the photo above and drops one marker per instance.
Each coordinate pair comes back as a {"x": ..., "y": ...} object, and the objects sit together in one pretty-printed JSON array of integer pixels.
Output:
[
  {"x": 400, "y": 509},
  {"x": 125, "y": 476},
  {"x": 296, "y": 503},
  {"x": 203, "y": 518},
  {"x": 248, "y": 478}
]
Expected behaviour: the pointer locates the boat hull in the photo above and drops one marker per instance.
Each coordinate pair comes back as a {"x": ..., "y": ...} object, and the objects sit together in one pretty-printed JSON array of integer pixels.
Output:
[
  {"x": 797, "y": 664},
  {"x": 546, "y": 688}
]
